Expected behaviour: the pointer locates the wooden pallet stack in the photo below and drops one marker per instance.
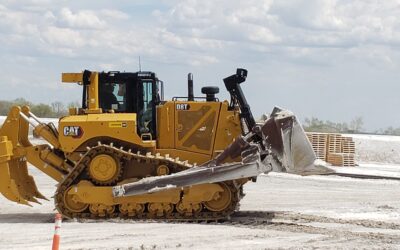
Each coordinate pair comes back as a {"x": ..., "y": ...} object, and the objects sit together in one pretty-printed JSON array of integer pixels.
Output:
[
  {"x": 341, "y": 159},
  {"x": 319, "y": 142},
  {"x": 339, "y": 150},
  {"x": 334, "y": 143},
  {"x": 348, "y": 147}
]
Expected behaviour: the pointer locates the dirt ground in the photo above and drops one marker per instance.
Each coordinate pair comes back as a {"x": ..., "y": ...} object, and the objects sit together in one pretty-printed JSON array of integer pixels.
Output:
[{"x": 279, "y": 212}]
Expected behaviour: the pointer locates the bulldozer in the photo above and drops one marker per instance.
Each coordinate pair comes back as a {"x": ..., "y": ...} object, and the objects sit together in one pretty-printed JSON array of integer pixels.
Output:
[{"x": 128, "y": 153}]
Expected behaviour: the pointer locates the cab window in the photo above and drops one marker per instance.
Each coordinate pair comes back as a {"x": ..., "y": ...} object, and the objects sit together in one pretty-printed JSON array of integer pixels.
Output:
[
  {"x": 147, "y": 95},
  {"x": 147, "y": 107},
  {"x": 112, "y": 96},
  {"x": 120, "y": 94}
]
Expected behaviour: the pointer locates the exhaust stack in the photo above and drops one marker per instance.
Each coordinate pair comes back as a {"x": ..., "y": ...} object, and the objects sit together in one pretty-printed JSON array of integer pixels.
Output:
[{"x": 190, "y": 87}]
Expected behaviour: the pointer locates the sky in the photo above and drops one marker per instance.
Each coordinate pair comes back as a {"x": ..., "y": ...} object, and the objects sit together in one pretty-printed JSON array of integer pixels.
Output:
[{"x": 330, "y": 59}]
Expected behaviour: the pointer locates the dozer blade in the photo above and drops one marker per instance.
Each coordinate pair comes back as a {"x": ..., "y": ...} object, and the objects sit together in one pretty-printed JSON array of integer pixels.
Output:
[
  {"x": 25, "y": 182},
  {"x": 290, "y": 145}
]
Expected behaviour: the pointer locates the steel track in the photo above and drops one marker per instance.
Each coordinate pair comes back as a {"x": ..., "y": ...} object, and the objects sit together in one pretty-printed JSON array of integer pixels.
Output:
[{"x": 175, "y": 166}]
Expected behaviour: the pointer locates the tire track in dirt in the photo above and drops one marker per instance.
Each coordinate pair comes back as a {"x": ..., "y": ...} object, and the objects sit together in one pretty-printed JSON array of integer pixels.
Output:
[
  {"x": 376, "y": 233},
  {"x": 306, "y": 218},
  {"x": 298, "y": 223}
]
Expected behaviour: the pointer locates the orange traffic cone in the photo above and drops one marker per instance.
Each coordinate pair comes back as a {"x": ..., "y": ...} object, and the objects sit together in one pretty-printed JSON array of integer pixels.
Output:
[{"x": 56, "y": 237}]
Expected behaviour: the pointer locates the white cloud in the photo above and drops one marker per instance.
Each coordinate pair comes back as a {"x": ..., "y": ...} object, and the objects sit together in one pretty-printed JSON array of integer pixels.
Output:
[
  {"x": 293, "y": 42},
  {"x": 114, "y": 14},
  {"x": 221, "y": 20},
  {"x": 81, "y": 19},
  {"x": 202, "y": 60},
  {"x": 12, "y": 22},
  {"x": 313, "y": 14},
  {"x": 262, "y": 34},
  {"x": 212, "y": 28},
  {"x": 63, "y": 37}
]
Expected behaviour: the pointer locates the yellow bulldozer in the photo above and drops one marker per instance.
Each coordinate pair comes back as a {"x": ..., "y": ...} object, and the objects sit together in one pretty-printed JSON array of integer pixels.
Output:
[{"x": 128, "y": 153}]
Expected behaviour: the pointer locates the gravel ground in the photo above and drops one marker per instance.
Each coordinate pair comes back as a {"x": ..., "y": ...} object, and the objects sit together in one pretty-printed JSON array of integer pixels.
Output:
[{"x": 278, "y": 212}]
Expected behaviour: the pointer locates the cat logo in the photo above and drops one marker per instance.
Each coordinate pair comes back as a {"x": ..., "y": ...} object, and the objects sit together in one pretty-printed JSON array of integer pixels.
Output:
[
  {"x": 182, "y": 106},
  {"x": 73, "y": 131}
]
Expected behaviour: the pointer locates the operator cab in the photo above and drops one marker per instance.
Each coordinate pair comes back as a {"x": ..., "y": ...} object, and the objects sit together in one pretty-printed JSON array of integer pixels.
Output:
[{"x": 139, "y": 93}]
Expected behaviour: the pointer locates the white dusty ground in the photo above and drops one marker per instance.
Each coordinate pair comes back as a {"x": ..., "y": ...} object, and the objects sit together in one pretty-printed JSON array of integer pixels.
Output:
[{"x": 280, "y": 211}]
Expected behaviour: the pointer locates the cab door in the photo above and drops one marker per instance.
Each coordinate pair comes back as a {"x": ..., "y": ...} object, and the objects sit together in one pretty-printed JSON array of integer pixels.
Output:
[{"x": 146, "y": 108}]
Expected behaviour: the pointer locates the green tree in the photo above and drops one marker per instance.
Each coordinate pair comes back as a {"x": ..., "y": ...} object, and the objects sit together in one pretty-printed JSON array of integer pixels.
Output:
[
  {"x": 22, "y": 102},
  {"x": 5, "y": 107},
  {"x": 389, "y": 131},
  {"x": 316, "y": 125},
  {"x": 42, "y": 110}
]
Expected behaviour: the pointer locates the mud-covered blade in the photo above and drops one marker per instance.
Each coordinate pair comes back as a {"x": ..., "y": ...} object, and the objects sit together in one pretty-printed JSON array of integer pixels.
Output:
[{"x": 290, "y": 145}]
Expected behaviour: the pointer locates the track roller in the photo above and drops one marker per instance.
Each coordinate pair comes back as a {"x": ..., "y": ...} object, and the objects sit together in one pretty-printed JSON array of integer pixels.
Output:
[
  {"x": 131, "y": 209},
  {"x": 186, "y": 208},
  {"x": 160, "y": 209},
  {"x": 101, "y": 210}
]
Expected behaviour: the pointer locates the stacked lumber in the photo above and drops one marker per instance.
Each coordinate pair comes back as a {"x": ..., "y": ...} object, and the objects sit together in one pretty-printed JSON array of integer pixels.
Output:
[
  {"x": 334, "y": 143},
  {"x": 335, "y": 149},
  {"x": 319, "y": 143},
  {"x": 341, "y": 159},
  {"x": 348, "y": 147}
]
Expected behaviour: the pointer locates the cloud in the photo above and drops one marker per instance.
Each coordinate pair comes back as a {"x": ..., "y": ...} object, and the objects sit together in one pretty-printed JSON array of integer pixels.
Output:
[
  {"x": 114, "y": 14},
  {"x": 221, "y": 20},
  {"x": 15, "y": 22},
  {"x": 309, "y": 14},
  {"x": 291, "y": 43},
  {"x": 213, "y": 29},
  {"x": 81, "y": 19},
  {"x": 62, "y": 37}
]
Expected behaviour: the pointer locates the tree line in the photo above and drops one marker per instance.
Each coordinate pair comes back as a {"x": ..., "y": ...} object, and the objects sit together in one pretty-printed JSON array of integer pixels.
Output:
[
  {"x": 316, "y": 125},
  {"x": 54, "y": 110},
  {"x": 59, "y": 109},
  {"x": 355, "y": 126}
]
